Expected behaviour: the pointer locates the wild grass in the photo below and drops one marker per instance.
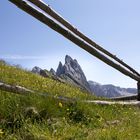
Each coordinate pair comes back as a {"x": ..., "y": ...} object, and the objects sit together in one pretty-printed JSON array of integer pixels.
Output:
[
  {"x": 35, "y": 117},
  {"x": 18, "y": 76}
]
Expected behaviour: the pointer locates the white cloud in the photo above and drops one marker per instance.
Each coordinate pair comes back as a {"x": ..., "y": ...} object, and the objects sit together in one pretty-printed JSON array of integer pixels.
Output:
[{"x": 22, "y": 57}]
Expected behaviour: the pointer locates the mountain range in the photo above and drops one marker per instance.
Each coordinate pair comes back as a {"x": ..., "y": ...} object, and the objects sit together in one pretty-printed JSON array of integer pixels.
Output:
[{"x": 71, "y": 72}]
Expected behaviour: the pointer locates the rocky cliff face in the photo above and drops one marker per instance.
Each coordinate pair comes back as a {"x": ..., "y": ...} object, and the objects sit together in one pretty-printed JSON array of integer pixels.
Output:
[
  {"x": 72, "y": 72},
  {"x": 40, "y": 71},
  {"x": 110, "y": 90},
  {"x": 47, "y": 74}
]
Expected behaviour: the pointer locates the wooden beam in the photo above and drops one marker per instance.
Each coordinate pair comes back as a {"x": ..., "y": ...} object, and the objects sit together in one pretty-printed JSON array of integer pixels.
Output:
[
  {"x": 138, "y": 89},
  {"x": 24, "y": 91},
  {"x": 15, "y": 89},
  {"x": 46, "y": 8},
  {"x": 124, "y": 103},
  {"x": 124, "y": 98},
  {"x": 53, "y": 25}
]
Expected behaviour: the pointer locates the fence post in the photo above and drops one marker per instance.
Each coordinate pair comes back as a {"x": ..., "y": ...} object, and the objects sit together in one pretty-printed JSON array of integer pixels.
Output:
[{"x": 138, "y": 86}]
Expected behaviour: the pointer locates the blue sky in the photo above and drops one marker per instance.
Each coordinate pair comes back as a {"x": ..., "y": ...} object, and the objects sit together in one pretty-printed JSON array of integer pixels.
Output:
[{"x": 114, "y": 24}]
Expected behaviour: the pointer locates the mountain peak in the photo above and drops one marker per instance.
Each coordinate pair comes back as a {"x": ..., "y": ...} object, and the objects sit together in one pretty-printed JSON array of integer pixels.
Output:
[
  {"x": 59, "y": 70},
  {"x": 72, "y": 70},
  {"x": 36, "y": 70},
  {"x": 68, "y": 59},
  {"x": 52, "y": 71}
]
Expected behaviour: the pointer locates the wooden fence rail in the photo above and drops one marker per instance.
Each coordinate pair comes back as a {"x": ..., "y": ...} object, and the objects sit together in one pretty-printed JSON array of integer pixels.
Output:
[{"x": 24, "y": 91}]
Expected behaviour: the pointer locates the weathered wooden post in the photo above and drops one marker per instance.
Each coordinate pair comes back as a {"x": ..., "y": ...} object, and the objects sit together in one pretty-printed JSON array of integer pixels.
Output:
[{"x": 138, "y": 86}]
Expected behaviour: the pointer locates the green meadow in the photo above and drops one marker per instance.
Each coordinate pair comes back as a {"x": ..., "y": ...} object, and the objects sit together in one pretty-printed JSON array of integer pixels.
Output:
[{"x": 36, "y": 117}]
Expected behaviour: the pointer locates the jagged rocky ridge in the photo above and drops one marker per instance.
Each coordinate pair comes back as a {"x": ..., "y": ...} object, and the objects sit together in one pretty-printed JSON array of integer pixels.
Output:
[
  {"x": 110, "y": 90},
  {"x": 71, "y": 72},
  {"x": 46, "y": 73}
]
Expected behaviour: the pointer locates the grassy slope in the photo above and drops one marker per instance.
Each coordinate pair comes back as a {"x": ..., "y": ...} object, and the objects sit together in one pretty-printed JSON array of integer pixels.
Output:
[{"x": 52, "y": 119}]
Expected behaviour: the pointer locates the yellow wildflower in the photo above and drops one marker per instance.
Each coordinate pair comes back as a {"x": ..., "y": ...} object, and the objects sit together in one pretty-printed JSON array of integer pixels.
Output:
[
  {"x": 103, "y": 129},
  {"x": 60, "y": 104},
  {"x": 1, "y": 132}
]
